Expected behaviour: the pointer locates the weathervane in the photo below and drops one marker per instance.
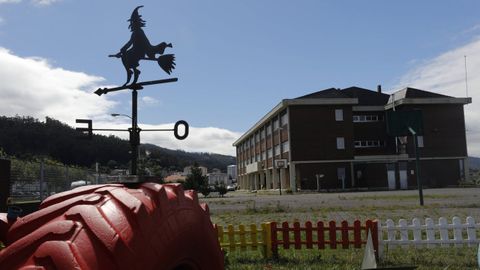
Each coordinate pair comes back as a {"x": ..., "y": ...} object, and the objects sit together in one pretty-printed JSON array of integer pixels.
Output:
[
  {"x": 136, "y": 49},
  {"x": 139, "y": 48}
]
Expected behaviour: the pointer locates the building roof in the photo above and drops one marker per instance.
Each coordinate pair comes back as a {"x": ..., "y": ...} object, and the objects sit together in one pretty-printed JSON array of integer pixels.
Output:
[
  {"x": 410, "y": 95},
  {"x": 365, "y": 97}
]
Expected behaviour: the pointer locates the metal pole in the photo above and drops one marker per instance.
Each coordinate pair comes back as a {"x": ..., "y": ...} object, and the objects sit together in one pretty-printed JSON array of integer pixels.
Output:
[
  {"x": 417, "y": 165},
  {"x": 134, "y": 140},
  {"x": 42, "y": 178}
]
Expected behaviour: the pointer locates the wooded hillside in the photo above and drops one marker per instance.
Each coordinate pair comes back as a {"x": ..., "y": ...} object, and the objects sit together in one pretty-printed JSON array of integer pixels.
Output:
[{"x": 27, "y": 137}]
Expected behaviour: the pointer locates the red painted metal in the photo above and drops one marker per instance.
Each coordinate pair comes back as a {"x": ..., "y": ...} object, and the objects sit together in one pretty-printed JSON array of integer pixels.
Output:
[{"x": 150, "y": 226}]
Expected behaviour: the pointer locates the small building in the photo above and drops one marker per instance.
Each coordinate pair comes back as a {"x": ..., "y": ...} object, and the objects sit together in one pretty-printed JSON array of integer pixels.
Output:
[
  {"x": 188, "y": 170},
  {"x": 217, "y": 178},
  {"x": 232, "y": 173},
  {"x": 337, "y": 139},
  {"x": 175, "y": 178}
]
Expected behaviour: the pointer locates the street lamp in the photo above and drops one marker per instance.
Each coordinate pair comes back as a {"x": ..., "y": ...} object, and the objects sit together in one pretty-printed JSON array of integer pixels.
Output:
[
  {"x": 134, "y": 138},
  {"x": 120, "y": 114}
]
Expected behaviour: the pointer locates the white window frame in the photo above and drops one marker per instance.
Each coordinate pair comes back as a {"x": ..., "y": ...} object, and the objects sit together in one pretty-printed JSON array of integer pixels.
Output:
[
  {"x": 340, "y": 143},
  {"x": 284, "y": 119},
  {"x": 338, "y": 114},
  {"x": 285, "y": 146},
  {"x": 420, "y": 141},
  {"x": 276, "y": 124}
]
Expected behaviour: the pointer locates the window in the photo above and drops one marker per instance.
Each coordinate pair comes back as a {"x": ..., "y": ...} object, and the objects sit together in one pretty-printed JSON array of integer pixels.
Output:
[
  {"x": 275, "y": 124},
  {"x": 264, "y": 155},
  {"x": 341, "y": 176},
  {"x": 277, "y": 150},
  {"x": 269, "y": 130},
  {"x": 262, "y": 134},
  {"x": 286, "y": 146},
  {"x": 367, "y": 118},
  {"x": 257, "y": 137},
  {"x": 269, "y": 153},
  {"x": 257, "y": 157},
  {"x": 420, "y": 141},
  {"x": 338, "y": 115},
  {"x": 369, "y": 143},
  {"x": 340, "y": 143},
  {"x": 284, "y": 119}
]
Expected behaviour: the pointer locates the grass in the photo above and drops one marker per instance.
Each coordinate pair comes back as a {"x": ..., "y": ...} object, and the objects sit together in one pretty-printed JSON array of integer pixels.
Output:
[{"x": 431, "y": 259}]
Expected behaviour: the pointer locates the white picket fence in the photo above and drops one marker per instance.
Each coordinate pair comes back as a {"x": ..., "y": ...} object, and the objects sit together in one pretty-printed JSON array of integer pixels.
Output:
[{"x": 428, "y": 234}]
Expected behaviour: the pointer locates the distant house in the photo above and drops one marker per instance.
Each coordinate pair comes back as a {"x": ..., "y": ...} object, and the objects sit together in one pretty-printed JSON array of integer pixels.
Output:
[
  {"x": 188, "y": 170},
  {"x": 232, "y": 172},
  {"x": 337, "y": 139},
  {"x": 175, "y": 178},
  {"x": 217, "y": 178}
]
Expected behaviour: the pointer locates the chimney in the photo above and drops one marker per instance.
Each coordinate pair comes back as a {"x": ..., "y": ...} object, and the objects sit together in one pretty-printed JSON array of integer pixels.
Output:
[{"x": 379, "y": 88}]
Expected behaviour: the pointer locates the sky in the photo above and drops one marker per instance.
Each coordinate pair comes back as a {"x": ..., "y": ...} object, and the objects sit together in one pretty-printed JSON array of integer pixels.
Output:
[{"x": 235, "y": 60}]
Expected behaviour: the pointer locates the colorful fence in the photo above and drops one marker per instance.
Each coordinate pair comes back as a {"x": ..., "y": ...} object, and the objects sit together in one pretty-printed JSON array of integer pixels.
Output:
[
  {"x": 252, "y": 237},
  {"x": 323, "y": 235},
  {"x": 270, "y": 237}
]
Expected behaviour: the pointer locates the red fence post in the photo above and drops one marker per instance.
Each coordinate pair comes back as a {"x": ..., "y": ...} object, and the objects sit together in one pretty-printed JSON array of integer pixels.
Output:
[
  {"x": 285, "y": 235},
  {"x": 357, "y": 233},
  {"x": 308, "y": 234},
  {"x": 296, "y": 235},
  {"x": 273, "y": 235},
  {"x": 344, "y": 228},
  {"x": 333, "y": 234},
  {"x": 321, "y": 235}
]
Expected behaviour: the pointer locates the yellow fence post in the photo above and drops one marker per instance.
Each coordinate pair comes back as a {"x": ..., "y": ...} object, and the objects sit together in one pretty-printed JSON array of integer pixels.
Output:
[
  {"x": 243, "y": 242},
  {"x": 267, "y": 239},
  {"x": 231, "y": 237},
  {"x": 253, "y": 236},
  {"x": 220, "y": 234}
]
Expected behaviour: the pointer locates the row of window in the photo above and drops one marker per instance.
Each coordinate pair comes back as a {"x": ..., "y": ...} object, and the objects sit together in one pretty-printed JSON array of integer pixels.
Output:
[
  {"x": 268, "y": 154},
  {"x": 264, "y": 131},
  {"x": 358, "y": 118},
  {"x": 368, "y": 144},
  {"x": 367, "y": 118}
]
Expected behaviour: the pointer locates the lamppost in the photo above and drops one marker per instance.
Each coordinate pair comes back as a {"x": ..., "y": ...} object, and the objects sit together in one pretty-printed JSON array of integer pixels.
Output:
[{"x": 134, "y": 138}]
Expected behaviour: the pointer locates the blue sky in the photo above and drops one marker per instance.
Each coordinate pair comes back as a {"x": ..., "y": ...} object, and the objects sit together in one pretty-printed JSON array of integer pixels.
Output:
[{"x": 235, "y": 59}]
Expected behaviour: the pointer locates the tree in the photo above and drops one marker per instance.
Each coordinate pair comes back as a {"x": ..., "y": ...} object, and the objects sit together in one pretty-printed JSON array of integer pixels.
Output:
[
  {"x": 221, "y": 188},
  {"x": 196, "y": 181}
]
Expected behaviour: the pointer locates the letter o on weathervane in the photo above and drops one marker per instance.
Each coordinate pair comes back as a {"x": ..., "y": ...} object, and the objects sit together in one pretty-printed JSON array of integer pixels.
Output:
[{"x": 175, "y": 130}]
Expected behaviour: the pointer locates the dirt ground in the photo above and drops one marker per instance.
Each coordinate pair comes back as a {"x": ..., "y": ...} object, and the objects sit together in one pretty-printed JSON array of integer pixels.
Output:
[{"x": 247, "y": 207}]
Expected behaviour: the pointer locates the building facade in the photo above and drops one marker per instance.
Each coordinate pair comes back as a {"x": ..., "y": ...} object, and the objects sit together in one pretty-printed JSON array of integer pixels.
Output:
[{"x": 337, "y": 140}]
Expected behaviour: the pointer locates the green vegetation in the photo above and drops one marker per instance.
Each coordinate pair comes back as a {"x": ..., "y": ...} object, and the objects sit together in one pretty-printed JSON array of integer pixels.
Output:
[
  {"x": 424, "y": 259},
  {"x": 196, "y": 181},
  {"x": 28, "y": 138}
]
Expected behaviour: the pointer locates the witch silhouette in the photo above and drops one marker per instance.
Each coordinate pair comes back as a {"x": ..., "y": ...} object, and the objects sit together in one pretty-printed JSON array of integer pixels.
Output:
[{"x": 139, "y": 48}]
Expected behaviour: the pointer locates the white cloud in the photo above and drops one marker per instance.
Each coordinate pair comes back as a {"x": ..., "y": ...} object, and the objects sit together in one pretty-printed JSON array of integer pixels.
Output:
[
  {"x": 9, "y": 1},
  {"x": 44, "y": 2},
  {"x": 149, "y": 100},
  {"x": 445, "y": 74},
  {"x": 200, "y": 139},
  {"x": 31, "y": 86}
]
